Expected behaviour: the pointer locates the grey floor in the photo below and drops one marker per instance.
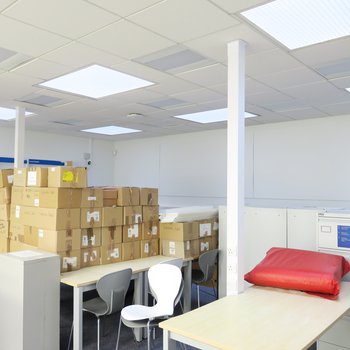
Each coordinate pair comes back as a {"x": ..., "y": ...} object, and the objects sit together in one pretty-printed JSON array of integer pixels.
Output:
[{"x": 109, "y": 324}]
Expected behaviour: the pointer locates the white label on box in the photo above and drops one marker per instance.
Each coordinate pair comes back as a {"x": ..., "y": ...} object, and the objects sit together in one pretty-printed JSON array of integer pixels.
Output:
[
  {"x": 71, "y": 261},
  {"x": 115, "y": 253},
  {"x": 36, "y": 202},
  {"x": 53, "y": 169},
  {"x": 215, "y": 226},
  {"x": 138, "y": 218},
  {"x": 326, "y": 229},
  {"x": 19, "y": 172},
  {"x": 172, "y": 249},
  {"x": 84, "y": 241},
  {"x": 86, "y": 257},
  {"x": 95, "y": 215},
  {"x": 40, "y": 233},
  {"x": 146, "y": 248},
  {"x": 204, "y": 230},
  {"x": 204, "y": 246},
  {"x": 93, "y": 240},
  {"x": 188, "y": 245},
  {"x": 133, "y": 231},
  {"x": 18, "y": 211},
  {"x": 31, "y": 178},
  {"x": 93, "y": 256},
  {"x": 10, "y": 179},
  {"x": 91, "y": 198},
  {"x": 154, "y": 230}
]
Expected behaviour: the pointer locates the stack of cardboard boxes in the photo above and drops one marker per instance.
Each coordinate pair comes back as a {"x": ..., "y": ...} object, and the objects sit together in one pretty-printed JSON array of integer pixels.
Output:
[
  {"x": 45, "y": 211},
  {"x": 6, "y": 180},
  {"x": 188, "y": 239},
  {"x": 139, "y": 210}
]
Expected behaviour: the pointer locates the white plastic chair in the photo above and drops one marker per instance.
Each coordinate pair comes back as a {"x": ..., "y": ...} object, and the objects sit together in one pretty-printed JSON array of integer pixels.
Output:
[{"x": 164, "y": 281}]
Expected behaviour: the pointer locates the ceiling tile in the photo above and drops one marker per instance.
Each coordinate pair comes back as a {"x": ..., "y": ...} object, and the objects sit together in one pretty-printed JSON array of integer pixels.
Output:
[
  {"x": 79, "y": 17},
  {"x": 174, "y": 19},
  {"x": 341, "y": 82},
  {"x": 268, "y": 98},
  {"x": 78, "y": 55},
  {"x": 172, "y": 86},
  {"x": 27, "y": 39},
  {"x": 6, "y": 3},
  {"x": 42, "y": 69},
  {"x": 306, "y": 113},
  {"x": 237, "y": 5},
  {"x": 124, "y": 8},
  {"x": 268, "y": 62},
  {"x": 115, "y": 38},
  {"x": 214, "y": 45},
  {"x": 199, "y": 96},
  {"x": 253, "y": 87},
  {"x": 336, "y": 108},
  {"x": 207, "y": 76},
  {"x": 292, "y": 77}
]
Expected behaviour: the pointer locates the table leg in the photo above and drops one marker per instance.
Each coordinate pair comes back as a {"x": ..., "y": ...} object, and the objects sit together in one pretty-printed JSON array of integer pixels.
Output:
[
  {"x": 77, "y": 318},
  {"x": 187, "y": 285},
  {"x": 138, "y": 299},
  {"x": 168, "y": 343}
]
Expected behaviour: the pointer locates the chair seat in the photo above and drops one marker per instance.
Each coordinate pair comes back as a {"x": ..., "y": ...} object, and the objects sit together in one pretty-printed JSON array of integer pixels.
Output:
[
  {"x": 197, "y": 276},
  {"x": 141, "y": 312},
  {"x": 96, "y": 306}
]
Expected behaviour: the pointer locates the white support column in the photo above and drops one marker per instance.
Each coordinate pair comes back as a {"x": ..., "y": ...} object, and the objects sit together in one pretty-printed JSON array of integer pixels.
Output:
[
  {"x": 235, "y": 168},
  {"x": 19, "y": 137}
]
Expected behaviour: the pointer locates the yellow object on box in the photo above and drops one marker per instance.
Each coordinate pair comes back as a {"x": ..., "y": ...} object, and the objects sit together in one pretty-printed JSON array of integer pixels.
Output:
[{"x": 71, "y": 177}]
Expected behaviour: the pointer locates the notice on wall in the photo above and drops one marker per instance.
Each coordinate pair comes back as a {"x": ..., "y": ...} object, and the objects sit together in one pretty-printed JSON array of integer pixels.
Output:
[{"x": 343, "y": 236}]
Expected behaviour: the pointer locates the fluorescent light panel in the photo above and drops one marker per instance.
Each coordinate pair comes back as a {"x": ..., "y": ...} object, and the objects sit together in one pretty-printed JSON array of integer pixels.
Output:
[
  {"x": 213, "y": 116},
  {"x": 96, "y": 81},
  {"x": 347, "y": 89},
  {"x": 111, "y": 130},
  {"x": 10, "y": 113},
  {"x": 301, "y": 23}
]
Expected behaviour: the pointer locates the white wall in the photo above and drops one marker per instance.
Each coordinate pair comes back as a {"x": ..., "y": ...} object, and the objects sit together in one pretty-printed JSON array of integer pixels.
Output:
[
  {"x": 39, "y": 145},
  {"x": 292, "y": 163}
]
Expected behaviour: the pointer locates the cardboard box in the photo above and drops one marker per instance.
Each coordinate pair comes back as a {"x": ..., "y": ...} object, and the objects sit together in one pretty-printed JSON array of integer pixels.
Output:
[
  {"x": 131, "y": 233},
  {"x": 32, "y": 177},
  {"x": 91, "y": 217},
  {"x": 46, "y": 218},
  {"x": 4, "y": 244},
  {"x": 17, "y": 194},
  {"x": 148, "y": 196},
  {"x": 149, "y": 248},
  {"x": 5, "y": 212},
  {"x": 122, "y": 196},
  {"x": 131, "y": 250},
  {"x": 67, "y": 176},
  {"x": 4, "y": 228},
  {"x": 90, "y": 257},
  {"x": 70, "y": 260},
  {"x": 17, "y": 231},
  {"x": 92, "y": 197},
  {"x": 150, "y": 213},
  {"x": 6, "y": 177},
  {"x": 109, "y": 202},
  {"x": 111, "y": 235},
  {"x": 51, "y": 197},
  {"x": 90, "y": 237},
  {"x": 30, "y": 236},
  {"x": 16, "y": 246},
  {"x": 150, "y": 230},
  {"x": 58, "y": 241},
  {"x": 208, "y": 227},
  {"x": 5, "y": 195},
  {"x": 179, "y": 231},
  {"x": 132, "y": 215},
  {"x": 111, "y": 253},
  {"x": 112, "y": 216},
  {"x": 180, "y": 249}
]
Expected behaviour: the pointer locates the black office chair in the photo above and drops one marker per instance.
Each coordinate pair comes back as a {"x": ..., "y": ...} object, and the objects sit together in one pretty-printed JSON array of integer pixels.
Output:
[
  {"x": 111, "y": 290},
  {"x": 206, "y": 263}
]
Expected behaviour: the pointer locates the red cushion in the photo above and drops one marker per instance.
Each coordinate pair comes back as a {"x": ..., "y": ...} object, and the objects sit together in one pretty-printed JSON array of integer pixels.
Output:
[{"x": 315, "y": 272}]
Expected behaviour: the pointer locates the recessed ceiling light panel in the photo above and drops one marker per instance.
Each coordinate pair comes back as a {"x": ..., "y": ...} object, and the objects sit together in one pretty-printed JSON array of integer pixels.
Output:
[
  {"x": 213, "y": 116},
  {"x": 10, "y": 113},
  {"x": 111, "y": 130},
  {"x": 301, "y": 23},
  {"x": 96, "y": 82}
]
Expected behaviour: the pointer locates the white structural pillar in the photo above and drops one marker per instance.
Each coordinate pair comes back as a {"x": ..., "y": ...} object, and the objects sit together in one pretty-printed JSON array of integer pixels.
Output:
[
  {"x": 19, "y": 137},
  {"x": 234, "y": 250}
]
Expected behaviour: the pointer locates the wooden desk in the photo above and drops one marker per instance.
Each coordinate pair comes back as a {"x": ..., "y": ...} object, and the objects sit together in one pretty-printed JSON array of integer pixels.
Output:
[
  {"x": 85, "y": 279},
  {"x": 259, "y": 318}
]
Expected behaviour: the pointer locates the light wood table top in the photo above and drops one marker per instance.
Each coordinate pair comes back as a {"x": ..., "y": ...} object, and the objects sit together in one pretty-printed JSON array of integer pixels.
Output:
[
  {"x": 261, "y": 318},
  {"x": 90, "y": 275}
]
